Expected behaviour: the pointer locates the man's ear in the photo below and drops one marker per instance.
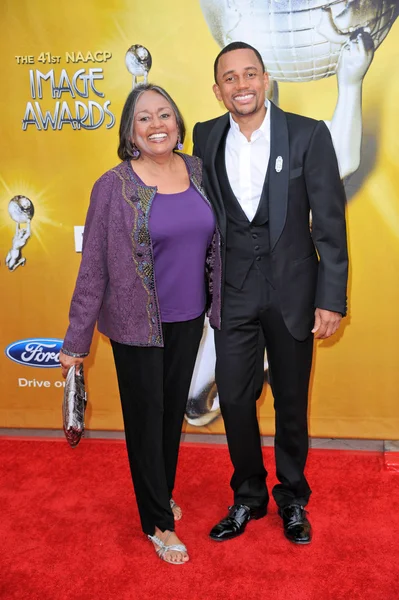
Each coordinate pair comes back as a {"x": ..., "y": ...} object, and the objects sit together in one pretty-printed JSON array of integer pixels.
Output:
[
  {"x": 266, "y": 80},
  {"x": 216, "y": 91}
]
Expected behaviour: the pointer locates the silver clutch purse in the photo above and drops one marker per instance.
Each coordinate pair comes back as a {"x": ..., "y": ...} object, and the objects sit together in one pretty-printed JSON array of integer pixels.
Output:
[{"x": 74, "y": 406}]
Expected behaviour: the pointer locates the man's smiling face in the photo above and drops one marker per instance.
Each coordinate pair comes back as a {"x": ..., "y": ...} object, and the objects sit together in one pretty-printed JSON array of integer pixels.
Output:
[{"x": 241, "y": 83}]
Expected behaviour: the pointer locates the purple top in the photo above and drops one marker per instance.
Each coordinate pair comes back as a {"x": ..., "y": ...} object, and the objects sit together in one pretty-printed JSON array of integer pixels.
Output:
[{"x": 181, "y": 228}]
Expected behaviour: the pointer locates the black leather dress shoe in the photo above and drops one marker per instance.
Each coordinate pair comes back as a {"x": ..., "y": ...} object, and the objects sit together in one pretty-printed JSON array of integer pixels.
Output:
[
  {"x": 235, "y": 522},
  {"x": 297, "y": 528}
]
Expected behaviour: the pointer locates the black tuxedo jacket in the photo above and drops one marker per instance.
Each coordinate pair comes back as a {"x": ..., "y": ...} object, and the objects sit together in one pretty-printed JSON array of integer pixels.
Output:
[{"x": 310, "y": 267}]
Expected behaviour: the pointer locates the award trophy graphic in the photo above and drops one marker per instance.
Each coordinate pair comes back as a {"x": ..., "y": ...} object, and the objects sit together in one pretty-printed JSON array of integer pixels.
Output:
[
  {"x": 21, "y": 210},
  {"x": 138, "y": 62},
  {"x": 307, "y": 40},
  {"x": 300, "y": 41}
]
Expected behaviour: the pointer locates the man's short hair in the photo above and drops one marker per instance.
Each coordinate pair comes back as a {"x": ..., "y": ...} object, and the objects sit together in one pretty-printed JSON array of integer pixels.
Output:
[{"x": 236, "y": 46}]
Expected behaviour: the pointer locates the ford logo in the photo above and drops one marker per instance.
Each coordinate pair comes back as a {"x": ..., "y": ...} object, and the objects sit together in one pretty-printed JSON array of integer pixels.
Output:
[{"x": 36, "y": 352}]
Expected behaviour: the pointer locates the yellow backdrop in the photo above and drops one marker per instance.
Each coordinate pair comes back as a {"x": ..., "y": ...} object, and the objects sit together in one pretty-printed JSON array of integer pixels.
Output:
[{"x": 73, "y": 56}]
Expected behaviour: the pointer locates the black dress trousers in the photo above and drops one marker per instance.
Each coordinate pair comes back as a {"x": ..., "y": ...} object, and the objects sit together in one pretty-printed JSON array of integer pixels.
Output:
[
  {"x": 154, "y": 385},
  {"x": 250, "y": 316}
]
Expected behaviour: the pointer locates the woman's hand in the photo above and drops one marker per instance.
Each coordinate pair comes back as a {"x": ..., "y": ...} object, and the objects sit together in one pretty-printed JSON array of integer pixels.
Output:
[{"x": 67, "y": 362}]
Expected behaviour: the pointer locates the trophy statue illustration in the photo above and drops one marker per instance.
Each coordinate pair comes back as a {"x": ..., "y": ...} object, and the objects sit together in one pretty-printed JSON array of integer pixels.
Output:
[
  {"x": 307, "y": 40},
  {"x": 21, "y": 210},
  {"x": 300, "y": 41},
  {"x": 138, "y": 61}
]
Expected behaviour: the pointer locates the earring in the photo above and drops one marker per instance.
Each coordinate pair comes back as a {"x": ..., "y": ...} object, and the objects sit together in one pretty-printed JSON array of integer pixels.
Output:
[
  {"x": 136, "y": 151},
  {"x": 179, "y": 145}
]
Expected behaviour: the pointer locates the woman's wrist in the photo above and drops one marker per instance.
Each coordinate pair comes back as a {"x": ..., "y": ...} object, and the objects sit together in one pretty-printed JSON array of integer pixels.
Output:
[{"x": 74, "y": 354}]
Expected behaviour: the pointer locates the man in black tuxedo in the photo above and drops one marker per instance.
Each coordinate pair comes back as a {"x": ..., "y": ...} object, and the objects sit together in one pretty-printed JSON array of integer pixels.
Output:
[{"x": 283, "y": 282}]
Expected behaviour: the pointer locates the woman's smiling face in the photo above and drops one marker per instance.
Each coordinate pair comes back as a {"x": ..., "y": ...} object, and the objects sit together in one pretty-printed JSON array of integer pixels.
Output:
[{"x": 155, "y": 130}]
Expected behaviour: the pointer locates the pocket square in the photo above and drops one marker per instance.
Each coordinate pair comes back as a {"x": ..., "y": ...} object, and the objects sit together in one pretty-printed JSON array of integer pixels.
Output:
[{"x": 296, "y": 172}]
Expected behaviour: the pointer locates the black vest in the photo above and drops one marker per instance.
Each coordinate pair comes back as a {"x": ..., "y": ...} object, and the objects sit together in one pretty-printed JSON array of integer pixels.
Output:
[{"x": 247, "y": 242}]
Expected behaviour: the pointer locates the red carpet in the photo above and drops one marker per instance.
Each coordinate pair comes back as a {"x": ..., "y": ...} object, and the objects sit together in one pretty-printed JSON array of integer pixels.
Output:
[{"x": 69, "y": 530}]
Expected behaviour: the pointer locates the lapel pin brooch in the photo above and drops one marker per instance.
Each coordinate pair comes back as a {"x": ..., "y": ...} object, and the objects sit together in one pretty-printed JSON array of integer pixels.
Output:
[{"x": 279, "y": 164}]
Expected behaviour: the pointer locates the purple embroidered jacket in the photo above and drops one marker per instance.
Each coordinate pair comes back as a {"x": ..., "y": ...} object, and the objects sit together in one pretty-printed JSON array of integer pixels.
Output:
[{"x": 116, "y": 285}]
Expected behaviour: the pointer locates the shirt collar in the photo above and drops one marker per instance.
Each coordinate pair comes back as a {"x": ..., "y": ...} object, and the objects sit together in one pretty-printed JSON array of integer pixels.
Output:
[{"x": 264, "y": 129}]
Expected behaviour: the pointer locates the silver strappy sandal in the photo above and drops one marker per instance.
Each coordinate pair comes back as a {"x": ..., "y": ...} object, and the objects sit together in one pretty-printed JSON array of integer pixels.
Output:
[
  {"x": 163, "y": 548},
  {"x": 177, "y": 507}
]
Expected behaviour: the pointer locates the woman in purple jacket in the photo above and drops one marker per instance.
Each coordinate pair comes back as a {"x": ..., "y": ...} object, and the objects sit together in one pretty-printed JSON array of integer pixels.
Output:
[{"x": 150, "y": 268}]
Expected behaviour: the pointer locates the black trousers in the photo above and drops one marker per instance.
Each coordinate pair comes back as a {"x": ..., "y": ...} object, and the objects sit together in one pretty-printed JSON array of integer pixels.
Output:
[
  {"x": 154, "y": 385},
  {"x": 252, "y": 316}
]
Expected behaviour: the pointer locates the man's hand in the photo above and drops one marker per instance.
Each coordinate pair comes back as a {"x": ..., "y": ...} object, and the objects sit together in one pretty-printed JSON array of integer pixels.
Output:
[
  {"x": 67, "y": 362},
  {"x": 326, "y": 323}
]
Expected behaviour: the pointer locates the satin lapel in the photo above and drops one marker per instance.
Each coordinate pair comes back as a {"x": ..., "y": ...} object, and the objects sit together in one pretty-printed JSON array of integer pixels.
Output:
[
  {"x": 278, "y": 173},
  {"x": 212, "y": 146}
]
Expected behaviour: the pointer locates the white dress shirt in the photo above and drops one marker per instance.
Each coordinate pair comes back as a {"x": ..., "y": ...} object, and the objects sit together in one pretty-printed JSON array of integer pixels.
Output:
[{"x": 247, "y": 162}]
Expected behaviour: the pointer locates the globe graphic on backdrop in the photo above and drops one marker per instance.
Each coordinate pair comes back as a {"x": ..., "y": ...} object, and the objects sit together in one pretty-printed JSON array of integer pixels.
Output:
[
  {"x": 21, "y": 209},
  {"x": 299, "y": 40}
]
